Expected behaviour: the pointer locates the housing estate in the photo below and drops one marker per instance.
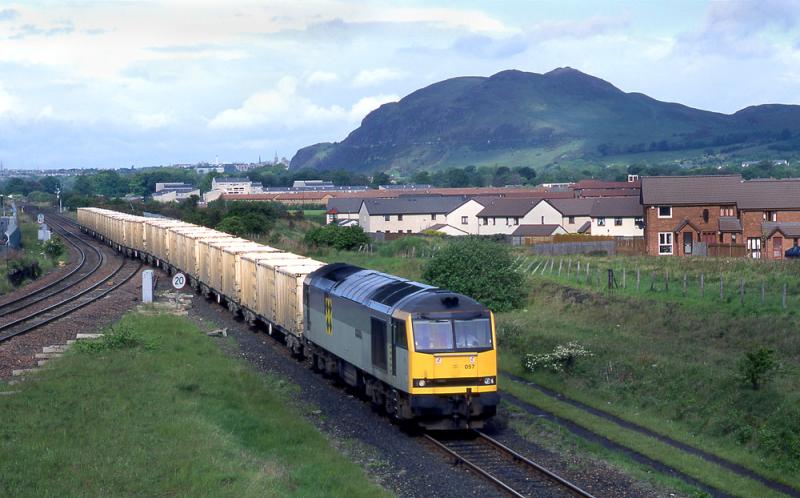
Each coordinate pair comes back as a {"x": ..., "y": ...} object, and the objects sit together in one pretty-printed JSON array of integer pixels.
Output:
[
  {"x": 687, "y": 215},
  {"x": 453, "y": 215}
]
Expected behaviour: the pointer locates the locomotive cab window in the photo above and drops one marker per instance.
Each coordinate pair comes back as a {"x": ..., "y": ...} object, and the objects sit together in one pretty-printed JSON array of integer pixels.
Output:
[
  {"x": 433, "y": 335},
  {"x": 399, "y": 330},
  {"x": 452, "y": 335},
  {"x": 473, "y": 334}
]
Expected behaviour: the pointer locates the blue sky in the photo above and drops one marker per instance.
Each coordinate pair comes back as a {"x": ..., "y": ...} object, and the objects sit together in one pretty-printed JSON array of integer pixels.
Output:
[{"x": 110, "y": 84}]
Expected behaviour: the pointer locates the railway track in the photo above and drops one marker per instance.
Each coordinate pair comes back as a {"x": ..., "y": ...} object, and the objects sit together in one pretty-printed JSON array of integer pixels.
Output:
[
  {"x": 72, "y": 301},
  {"x": 504, "y": 467},
  {"x": 68, "y": 281}
]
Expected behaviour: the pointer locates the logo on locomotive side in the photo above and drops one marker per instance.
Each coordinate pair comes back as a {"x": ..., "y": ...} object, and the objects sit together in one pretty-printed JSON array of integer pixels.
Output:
[{"x": 328, "y": 315}]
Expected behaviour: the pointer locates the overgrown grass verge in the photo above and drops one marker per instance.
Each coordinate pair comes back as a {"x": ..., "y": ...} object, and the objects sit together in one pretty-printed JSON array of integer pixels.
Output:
[
  {"x": 556, "y": 437},
  {"x": 693, "y": 466},
  {"x": 156, "y": 409},
  {"x": 669, "y": 369}
]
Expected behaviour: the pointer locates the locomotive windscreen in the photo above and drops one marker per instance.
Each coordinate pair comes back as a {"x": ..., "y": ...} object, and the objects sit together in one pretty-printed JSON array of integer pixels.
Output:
[{"x": 452, "y": 335}]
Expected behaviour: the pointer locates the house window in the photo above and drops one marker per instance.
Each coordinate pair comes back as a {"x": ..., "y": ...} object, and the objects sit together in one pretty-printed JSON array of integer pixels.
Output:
[
  {"x": 754, "y": 247},
  {"x": 639, "y": 222},
  {"x": 571, "y": 220},
  {"x": 516, "y": 220},
  {"x": 770, "y": 216},
  {"x": 485, "y": 221},
  {"x": 399, "y": 217},
  {"x": 408, "y": 231},
  {"x": 617, "y": 222},
  {"x": 494, "y": 221},
  {"x": 727, "y": 211},
  {"x": 542, "y": 220},
  {"x": 386, "y": 217},
  {"x": 664, "y": 243},
  {"x": 665, "y": 212},
  {"x": 733, "y": 238},
  {"x": 463, "y": 220},
  {"x": 433, "y": 216},
  {"x": 601, "y": 222},
  {"x": 705, "y": 215},
  {"x": 508, "y": 221}
]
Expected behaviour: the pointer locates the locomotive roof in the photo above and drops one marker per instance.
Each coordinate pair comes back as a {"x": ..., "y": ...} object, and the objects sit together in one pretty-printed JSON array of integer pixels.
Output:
[{"x": 384, "y": 292}]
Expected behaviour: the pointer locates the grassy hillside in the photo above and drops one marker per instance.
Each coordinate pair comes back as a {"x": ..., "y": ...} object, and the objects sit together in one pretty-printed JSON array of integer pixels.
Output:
[
  {"x": 162, "y": 411},
  {"x": 518, "y": 118}
]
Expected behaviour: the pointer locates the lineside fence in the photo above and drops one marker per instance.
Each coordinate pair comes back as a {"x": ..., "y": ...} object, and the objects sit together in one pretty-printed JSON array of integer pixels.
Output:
[{"x": 751, "y": 285}]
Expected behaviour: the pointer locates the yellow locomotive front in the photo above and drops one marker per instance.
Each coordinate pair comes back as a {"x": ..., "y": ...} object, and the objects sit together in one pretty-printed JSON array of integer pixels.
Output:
[
  {"x": 452, "y": 367},
  {"x": 421, "y": 353}
]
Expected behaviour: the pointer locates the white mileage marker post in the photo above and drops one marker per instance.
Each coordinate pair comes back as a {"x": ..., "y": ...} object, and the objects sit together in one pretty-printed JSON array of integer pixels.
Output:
[{"x": 147, "y": 286}]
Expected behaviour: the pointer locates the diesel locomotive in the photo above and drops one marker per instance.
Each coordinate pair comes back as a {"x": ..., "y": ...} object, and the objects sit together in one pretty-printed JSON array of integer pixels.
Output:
[{"x": 423, "y": 354}]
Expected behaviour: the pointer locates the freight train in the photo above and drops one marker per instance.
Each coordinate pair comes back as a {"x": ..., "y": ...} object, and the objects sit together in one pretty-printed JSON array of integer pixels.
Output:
[{"x": 424, "y": 355}]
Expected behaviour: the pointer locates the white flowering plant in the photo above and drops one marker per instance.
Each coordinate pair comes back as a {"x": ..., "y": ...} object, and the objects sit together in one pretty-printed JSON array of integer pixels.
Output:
[{"x": 562, "y": 359}]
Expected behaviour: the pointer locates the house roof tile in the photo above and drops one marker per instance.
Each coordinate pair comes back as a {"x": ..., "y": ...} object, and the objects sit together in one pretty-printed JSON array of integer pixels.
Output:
[
  {"x": 413, "y": 205},
  {"x": 690, "y": 190},
  {"x": 729, "y": 224},
  {"x": 535, "y": 230},
  {"x": 788, "y": 229}
]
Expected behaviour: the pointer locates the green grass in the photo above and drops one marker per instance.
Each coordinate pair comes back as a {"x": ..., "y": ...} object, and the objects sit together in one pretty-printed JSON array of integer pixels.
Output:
[
  {"x": 670, "y": 368},
  {"x": 663, "y": 279},
  {"x": 579, "y": 452},
  {"x": 173, "y": 416},
  {"x": 31, "y": 250},
  {"x": 693, "y": 466}
]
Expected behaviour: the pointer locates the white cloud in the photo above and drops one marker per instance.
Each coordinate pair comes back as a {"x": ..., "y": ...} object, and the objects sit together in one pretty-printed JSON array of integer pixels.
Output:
[
  {"x": 155, "y": 120},
  {"x": 369, "y": 77},
  {"x": 368, "y": 104},
  {"x": 282, "y": 107},
  {"x": 322, "y": 77},
  {"x": 7, "y": 101}
]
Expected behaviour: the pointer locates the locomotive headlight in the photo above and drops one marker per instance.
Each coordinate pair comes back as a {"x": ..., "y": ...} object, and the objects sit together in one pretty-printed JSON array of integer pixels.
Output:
[
  {"x": 488, "y": 381},
  {"x": 419, "y": 382}
]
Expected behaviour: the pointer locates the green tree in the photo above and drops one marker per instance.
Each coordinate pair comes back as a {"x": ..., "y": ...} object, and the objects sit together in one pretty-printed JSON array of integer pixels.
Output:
[
  {"x": 480, "y": 269},
  {"x": 338, "y": 237},
  {"x": 233, "y": 225},
  {"x": 757, "y": 367},
  {"x": 380, "y": 178}
]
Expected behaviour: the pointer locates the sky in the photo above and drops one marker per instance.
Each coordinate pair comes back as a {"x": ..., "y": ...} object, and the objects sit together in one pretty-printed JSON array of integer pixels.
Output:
[{"x": 137, "y": 83}]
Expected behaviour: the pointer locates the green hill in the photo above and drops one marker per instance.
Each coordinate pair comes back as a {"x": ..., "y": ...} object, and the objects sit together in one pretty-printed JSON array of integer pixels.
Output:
[{"x": 516, "y": 118}]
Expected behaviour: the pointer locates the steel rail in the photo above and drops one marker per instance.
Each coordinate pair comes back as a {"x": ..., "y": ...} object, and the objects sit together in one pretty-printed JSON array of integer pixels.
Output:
[
  {"x": 67, "y": 236},
  {"x": 549, "y": 473},
  {"x": 516, "y": 457},
  {"x": 61, "y": 303},
  {"x": 79, "y": 306}
]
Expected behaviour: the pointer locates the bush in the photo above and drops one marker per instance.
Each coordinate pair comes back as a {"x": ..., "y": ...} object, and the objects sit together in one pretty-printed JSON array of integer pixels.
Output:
[
  {"x": 480, "y": 269},
  {"x": 338, "y": 237},
  {"x": 54, "y": 247},
  {"x": 119, "y": 336},
  {"x": 758, "y": 367},
  {"x": 562, "y": 359}
]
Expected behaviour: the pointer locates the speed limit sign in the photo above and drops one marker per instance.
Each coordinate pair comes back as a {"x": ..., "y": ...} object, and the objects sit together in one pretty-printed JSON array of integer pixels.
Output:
[{"x": 178, "y": 281}]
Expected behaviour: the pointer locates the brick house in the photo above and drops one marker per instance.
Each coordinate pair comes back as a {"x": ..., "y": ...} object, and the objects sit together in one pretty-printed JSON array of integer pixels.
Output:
[{"x": 680, "y": 211}]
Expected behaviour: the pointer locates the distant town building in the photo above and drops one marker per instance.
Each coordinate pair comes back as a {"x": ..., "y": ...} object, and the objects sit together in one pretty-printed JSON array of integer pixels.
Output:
[
  {"x": 774, "y": 162},
  {"x": 175, "y": 194},
  {"x": 321, "y": 184}
]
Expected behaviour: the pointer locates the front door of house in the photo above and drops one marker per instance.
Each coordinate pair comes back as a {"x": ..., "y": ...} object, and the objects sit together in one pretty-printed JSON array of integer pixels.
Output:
[
  {"x": 687, "y": 243},
  {"x": 777, "y": 248}
]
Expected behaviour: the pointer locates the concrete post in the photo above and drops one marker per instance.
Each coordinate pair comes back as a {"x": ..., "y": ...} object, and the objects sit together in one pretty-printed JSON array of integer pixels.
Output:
[{"x": 147, "y": 286}]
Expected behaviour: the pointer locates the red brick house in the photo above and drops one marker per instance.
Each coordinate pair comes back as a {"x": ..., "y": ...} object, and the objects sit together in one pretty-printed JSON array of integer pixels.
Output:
[{"x": 723, "y": 212}]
